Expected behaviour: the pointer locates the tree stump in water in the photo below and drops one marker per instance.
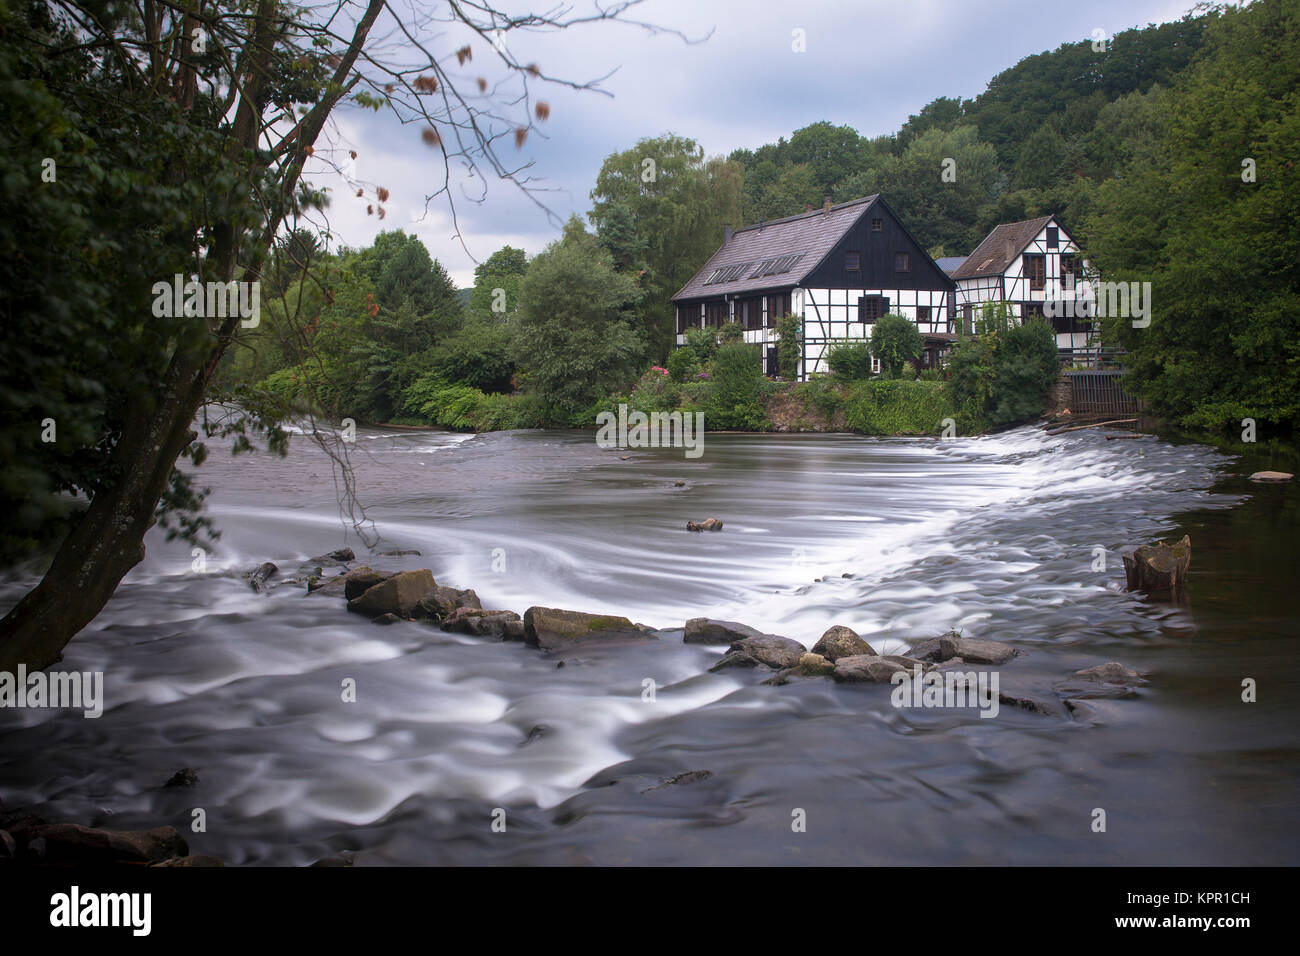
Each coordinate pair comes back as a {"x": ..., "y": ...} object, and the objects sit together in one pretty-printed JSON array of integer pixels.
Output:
[{"x": 1158, "y": 567}]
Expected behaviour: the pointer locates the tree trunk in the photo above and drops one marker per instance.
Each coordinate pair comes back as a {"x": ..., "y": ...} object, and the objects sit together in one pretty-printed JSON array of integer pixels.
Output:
[
  {"x": 1158, "y": 567},
  {"x": 107, "y": 541}
]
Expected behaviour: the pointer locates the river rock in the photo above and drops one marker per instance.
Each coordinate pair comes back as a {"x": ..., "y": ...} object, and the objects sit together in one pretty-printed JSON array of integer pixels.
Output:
[
  {"x": 480, "y": 623},
  {"x": 1272, "y": 476},
  {"x": 970, "y": 649},
  {"x": 443, "y": 600},
  {"x": 398, "y": 594},
  {"x": 386, "y": 618},
  {"x": 776, "y": 652},
  {"x": 8, "y": 846},
  {"x": 188, "y": 861},
  {"x": 185, "y": 777},
  {"x": 705, "y": 630},
  {"x": 549, "y": 628},
  {"x": 341, "y": 556},
  {"x": 708, "y": 524},
  {"x": 1112, "y": 672},
  {"x": 73, "y": 843},
  {"x": 840, "y": 641},
  {"x": 735, "y": 659},
  {"x": 360, "y": 580},
  {"x": 257, "y": 580},
  {"x": 1158, "y": 567},
  {"x": 1031, "y": 703},
  {"x": 865, "y": 669},
  {"x": 810, "y": 665}
]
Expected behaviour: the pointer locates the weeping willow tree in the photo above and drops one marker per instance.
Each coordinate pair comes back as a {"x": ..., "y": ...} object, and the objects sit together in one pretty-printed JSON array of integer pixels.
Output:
[{"x": 159, "y": 146}]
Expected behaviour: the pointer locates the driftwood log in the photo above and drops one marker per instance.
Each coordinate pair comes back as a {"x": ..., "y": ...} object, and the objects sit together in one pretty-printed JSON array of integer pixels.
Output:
[
  {"x": 258, "y": 579},
  {"x": 1158, "y": 567}
]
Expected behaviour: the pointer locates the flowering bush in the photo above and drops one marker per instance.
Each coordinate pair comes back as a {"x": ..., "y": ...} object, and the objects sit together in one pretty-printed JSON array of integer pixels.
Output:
[{"x": 656, "y": 391}]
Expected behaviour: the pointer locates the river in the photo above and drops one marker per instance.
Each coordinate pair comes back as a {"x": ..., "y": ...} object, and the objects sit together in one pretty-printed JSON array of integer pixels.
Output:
[{"x": 1001, "y": 537}]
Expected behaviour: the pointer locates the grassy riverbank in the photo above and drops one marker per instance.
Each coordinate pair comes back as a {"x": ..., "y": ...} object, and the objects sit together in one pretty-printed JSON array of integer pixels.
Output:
[{"x": 873, "y": 407}]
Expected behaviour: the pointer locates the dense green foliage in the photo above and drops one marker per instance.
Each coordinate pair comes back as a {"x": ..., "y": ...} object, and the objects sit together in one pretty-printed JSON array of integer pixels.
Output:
[
  {"x": 895, "y": 407},
  {"x": 1207, "y": 209},
  {"x": 1037, "y": 140},
  {"x": 789, "y": 346},
  {"x": 92, "y": 214},
  {"x": 576, "y": 341},
  {"x": 850, "y": 361},
  {"x": 895, "y": 341},
  {"x": 1000, "y": 376},
  {"x": 736, "y": 376},
  {"x": 661, "y": 207}
]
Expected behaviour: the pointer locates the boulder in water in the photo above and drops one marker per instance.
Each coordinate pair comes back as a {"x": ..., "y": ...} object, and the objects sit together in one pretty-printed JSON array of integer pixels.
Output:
[
  {"x": 480, "y": 623},
  {"x": 1272, "y": 476},
  {"x": 708, "y": 524},
  {"x": 969, "y": 649},
  {"x": 776, "y": 652},
  {"x": 398, "y": 594},
  {"x": 549, "y": 628},
  {"x": 706, "y": 630},
  {"x": 840, "y": 641},
  {"x": 444, "y": 600},
  {"x": 73, "y": 843}
]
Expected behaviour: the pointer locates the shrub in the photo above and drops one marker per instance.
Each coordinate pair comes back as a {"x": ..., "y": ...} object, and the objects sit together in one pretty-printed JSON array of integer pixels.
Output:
[
  {"x": 702, "y": 343},
  {"x": 731, "y": 333},
  {"x": 894, "y": 342},
  {"x": 682, "y": 364},
  {"x": 850, "y": 361},
  {"x": 1001, "y": 377},
  {"x": 478, "y": 355},
  {"x": 736, "y": 376},
  {"x": 655, "y": 391},
  {"x": 789, "y": 347}
]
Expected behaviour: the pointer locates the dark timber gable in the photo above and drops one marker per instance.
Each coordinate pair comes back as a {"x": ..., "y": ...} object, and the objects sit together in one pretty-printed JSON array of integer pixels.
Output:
[{"x": 877, "y": 250}]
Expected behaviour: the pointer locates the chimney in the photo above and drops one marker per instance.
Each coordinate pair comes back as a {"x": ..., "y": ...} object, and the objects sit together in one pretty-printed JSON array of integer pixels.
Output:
[
  {"x": 726, "y": 234},
  {"x": 826, "y": 205},
  {"x": 1011, "y": 249}
]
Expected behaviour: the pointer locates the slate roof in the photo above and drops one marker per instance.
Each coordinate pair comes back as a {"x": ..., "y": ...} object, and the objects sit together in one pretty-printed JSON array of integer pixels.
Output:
[
  {"x": 809, "y": 236},
  {"x": 1000, "y": 248},
  {"x": 950, "y": 264}
]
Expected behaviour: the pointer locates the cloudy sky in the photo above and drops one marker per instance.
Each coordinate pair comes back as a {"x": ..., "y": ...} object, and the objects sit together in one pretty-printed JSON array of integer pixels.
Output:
[{"x": 735, "y": 81}]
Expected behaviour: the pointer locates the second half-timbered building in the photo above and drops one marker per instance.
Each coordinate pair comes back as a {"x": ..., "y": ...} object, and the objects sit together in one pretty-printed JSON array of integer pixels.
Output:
[
  {"x": 838, "y": 268},
  {"x": 1021, "y": 264}
]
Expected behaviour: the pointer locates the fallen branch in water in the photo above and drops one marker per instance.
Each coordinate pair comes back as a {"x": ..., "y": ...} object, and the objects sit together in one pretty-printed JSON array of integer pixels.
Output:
[{"x": 1075, "y": 428}]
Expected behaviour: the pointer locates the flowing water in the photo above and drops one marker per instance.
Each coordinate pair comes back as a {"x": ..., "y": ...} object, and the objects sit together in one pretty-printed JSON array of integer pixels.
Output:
[{"x": 1001, "y": 537}]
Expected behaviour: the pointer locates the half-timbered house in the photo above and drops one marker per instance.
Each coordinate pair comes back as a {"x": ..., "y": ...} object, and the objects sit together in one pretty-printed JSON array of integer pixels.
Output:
[
  {"x": 1021, "y": 264},
  {"x": 838, "y": 268}
]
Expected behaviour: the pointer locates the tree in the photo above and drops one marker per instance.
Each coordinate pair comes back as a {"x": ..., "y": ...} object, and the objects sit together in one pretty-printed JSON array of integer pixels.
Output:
[
  {"x": 895, "y": 341},
  {"x": 179, "y": 136},
  {"x": 1207, "y": 211},
  {"x": 618, "y": 236},
  {"x": 575, "y": 343},
  {"x": 496, "y": 283},
  {"x": 680, "y": 203}
]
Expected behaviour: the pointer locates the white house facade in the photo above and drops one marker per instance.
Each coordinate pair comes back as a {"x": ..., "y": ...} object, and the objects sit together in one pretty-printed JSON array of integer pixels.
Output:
[
  {"x": 838, "y": 269},
  {"x": 1021, "y": 264}
]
